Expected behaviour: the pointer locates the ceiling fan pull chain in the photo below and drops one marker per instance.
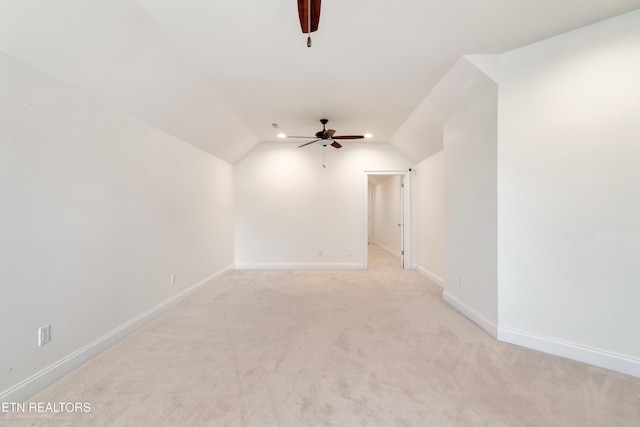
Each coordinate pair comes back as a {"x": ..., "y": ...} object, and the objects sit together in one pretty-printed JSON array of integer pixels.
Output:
[
  {"x": 309, "y": 27},
  {"x": 324, "y": 153}
]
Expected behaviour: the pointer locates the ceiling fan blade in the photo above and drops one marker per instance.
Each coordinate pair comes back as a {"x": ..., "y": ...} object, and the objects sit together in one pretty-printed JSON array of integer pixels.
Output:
[
  {"x": 349, "y": 137},
  {"x": 335, "y": 144},
  {"x": 328, "y": 133},
  {"x": 303, "y": 6},
  {"x": 315, "y": 140}
]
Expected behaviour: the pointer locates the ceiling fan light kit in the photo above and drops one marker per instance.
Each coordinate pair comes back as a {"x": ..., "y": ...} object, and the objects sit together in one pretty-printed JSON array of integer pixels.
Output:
[{"x": 326, "y": 137}]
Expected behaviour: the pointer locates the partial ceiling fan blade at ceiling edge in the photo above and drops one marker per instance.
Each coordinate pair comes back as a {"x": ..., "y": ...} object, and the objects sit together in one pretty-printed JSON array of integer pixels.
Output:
[
  {"x": 335, "y": 144},
  {"x": 348, "y": 137},
  {"x": 300, "y": 146},
  {"x": 304, "y": 18}
]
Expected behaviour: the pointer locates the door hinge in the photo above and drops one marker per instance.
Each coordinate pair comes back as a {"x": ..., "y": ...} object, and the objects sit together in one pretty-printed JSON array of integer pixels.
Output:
[{"x": 402, "y": 252}]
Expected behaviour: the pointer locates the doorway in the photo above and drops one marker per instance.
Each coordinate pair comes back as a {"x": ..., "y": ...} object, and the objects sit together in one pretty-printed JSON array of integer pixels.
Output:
[{"x": 387, "y": 215}]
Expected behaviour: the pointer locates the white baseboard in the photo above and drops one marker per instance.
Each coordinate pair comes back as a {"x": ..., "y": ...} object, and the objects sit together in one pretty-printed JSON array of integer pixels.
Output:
[
  {"x": 40, "y": 380},
  {"x": 300, "y": 266},
  {"x": 474, "y": 316},
  {"x": 431, "y": 276},
  {"x": 603, "y": 359},
  {"x": 386, "y": 248}
]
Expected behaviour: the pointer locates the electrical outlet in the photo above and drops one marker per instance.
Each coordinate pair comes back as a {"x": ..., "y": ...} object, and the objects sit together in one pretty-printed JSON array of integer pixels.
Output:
[
  {"x": 173, "y": 278},
  {"x": 459, "y": 281},
  {"x": 349, "y": 253},
  {"x": 320, "y": 252},
  {"x": 44, "y": 335}
]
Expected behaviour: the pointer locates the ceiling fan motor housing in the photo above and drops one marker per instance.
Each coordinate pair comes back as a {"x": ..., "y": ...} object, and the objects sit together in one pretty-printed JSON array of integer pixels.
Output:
[{"x": 320, "y": 134}]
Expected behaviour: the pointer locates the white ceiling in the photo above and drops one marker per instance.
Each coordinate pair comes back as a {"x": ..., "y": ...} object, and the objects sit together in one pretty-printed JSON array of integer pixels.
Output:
[{"x": 218, "y": 73}]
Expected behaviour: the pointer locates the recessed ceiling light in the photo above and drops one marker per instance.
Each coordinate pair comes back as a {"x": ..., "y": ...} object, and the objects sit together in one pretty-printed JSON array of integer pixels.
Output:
[
  {"x": 368, "y": 135},
  {"x": 282, "y": 135}
]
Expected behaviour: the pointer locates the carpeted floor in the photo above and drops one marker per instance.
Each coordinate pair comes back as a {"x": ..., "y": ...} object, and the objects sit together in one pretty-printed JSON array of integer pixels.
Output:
[{"x": 374, "y": 347}]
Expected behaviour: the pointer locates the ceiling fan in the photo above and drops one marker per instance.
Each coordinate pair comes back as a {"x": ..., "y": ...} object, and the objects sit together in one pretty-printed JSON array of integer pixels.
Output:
[{"x": 327, "y": 137}]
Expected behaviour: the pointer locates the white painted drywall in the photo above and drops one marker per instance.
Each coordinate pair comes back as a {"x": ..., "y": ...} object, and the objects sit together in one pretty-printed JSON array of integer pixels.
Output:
[
  {"x": 115, "y": 52},
  {"x": 569, "y": 188},
  {"x": 97, "y": 209},
  {"x": 288, "y": 207},
  {"x": 387, "y": 214},
  {"x": 428, "y": 217},
  {"x": 463, "y": 83},
  {"x": 470, "y": 168}
]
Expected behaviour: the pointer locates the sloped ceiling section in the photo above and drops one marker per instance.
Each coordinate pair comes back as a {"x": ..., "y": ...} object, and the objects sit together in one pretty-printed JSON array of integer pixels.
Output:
[
  {"x": 114, "y": 52},
  {"x": 420, "y": 136},
  {"x": 372, "y": 62},
  {"x": 218, "y": 73}
]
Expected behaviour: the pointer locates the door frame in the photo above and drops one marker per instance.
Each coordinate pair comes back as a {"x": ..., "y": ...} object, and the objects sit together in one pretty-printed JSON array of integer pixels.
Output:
[
  {"x": 369, "y": 222},
  {"x": 405, "y": 208}
]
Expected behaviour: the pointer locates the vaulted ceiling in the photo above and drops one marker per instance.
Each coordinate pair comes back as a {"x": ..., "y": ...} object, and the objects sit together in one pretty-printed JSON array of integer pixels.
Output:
[{"x": 218, "y": 73}]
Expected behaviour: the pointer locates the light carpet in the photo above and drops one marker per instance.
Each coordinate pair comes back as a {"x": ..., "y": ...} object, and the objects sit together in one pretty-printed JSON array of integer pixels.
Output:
[{"x": 375, "y": 347}]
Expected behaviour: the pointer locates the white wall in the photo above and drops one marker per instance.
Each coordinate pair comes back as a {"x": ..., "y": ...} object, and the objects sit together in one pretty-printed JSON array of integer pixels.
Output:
[
  {"x": 428, "y": 217},
  {"x": 420, "y": 136},
  {"x": 288, "y": 207},
  {"x": 96, "y": 211},
  {"x": 387, "y": 214},
  {"x": 461, "y": 86},
  {"x": 569, "y": 190},
  {"x": 116, "y": 52},
  {"x": 455, "y": 196},
  {"x": 470, "y": 167}
]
